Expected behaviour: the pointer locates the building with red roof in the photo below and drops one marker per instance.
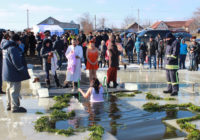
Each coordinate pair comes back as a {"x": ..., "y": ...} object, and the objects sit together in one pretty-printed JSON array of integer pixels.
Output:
[{"x": 174, "y": 26}]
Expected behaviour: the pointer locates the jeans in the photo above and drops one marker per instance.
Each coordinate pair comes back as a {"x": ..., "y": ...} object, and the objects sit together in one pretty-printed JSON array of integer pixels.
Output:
[
  {"x": 130, "y": 56},
  {"x": 13, "y": 94},
  {"x": 142, "y": 61},
  {"x": 47, "y": 75},
  {"x": 182, "y": 61},
  {"x": 154, "y": 61},
  {"x": 192, "y": 62},
  {"x": 138, "y": 58}
]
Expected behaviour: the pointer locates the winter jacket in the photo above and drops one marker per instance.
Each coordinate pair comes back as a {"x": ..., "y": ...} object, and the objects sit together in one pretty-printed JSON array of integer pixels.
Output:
[
  {"x": 114, "y": 57},
  {"x": 103, "y": 50},
  {"x": 171, "y": 55},
  {"x": 143, "y": 50},
  {"x": 183, "y": 48},
  {"x": 161, "y": 49},
  {"x": 45, "y": 53},
  {"x": 129, "y": 46},
  {"x": 14, "y": 64},
  {"x": 59, "y": 46},
  {"x": 39, "y": 43},
  {"x": 125, "y": 42},
  {"x": 152, "y": 47},
  {"x": 82, "y": 38},
  {"x": 105, "y": 37},
  {"x": 98, "y": 41},
  {"x": 195, "y": 49},
  {"x": 137, "y": 45}
]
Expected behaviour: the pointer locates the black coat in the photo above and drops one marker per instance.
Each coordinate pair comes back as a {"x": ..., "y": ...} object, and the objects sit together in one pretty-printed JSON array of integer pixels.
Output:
[
  {"x": 59, "y": 46},
  {"x": 39, "y": 43},
  {"x": 143, "y": 50},
  {"x": 98, "y": 41},
  {"x": 129, "y": 46},
  {"x": 45, "y": 53},
  {"x": 82, "y": 38},
  {"x": 152, "y": 47}
]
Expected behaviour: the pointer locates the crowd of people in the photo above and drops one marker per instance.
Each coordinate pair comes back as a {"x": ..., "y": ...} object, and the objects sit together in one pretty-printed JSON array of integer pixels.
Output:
[{"x": 99, "y": 49}]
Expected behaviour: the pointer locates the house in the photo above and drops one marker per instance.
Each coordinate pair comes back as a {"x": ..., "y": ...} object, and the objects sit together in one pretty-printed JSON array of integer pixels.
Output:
[
  {"x": 133, "y": 27},
  {"x": 64, "y": 25},
  {"x": 174, "y": 26}
]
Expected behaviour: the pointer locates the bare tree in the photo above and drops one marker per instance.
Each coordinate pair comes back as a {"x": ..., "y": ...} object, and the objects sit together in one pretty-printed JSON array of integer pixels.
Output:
[
  {"x": 102, "y": 22},
  {"x": 146, "y": 23},
  {"x": 127, "y": 21},
  {"x": 114, "y": 28},
  {"x": 196, "y": 21},
  {"x": 86, "y": 23}
]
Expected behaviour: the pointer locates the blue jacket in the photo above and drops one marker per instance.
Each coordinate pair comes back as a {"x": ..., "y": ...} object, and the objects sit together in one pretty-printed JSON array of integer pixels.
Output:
[
  {"x": 14, "y": 64},
  {"x": 137, "y": 45},
  {"x": 183, "y": 48}
]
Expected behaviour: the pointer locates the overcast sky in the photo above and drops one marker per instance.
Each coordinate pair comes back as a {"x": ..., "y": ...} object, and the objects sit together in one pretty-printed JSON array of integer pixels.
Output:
[{"x": 13, "y": 12}]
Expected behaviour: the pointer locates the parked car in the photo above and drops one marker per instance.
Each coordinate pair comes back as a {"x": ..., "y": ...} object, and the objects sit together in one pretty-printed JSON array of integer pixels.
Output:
[
  {"x": 146, "y": 34},
  {"x": 108, "y": 30},
  {"x": 184, "y": 35}
]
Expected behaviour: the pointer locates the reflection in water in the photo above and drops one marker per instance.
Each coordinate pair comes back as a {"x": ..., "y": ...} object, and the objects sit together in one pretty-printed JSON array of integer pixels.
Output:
[
  {"x": 94, "y": 110},
  {"x": 114, "y": 114},
  {"x": 98, "y": 111},
  {"x": 171, "y": 114}
]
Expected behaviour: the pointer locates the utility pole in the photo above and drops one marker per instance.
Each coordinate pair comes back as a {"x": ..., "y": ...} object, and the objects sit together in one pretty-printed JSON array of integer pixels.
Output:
[
  {"x": 27, "y": 19},
  {"x": 95, "y": 24},
  {"x": 138, "y": 19}
]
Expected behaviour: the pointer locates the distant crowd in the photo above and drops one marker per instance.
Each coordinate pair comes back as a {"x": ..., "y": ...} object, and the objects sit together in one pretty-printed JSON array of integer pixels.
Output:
[{"x": 97, "y": 49}]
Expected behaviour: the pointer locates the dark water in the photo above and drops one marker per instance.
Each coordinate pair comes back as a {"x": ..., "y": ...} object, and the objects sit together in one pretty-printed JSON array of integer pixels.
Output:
[{"x": 127, "y": 122}]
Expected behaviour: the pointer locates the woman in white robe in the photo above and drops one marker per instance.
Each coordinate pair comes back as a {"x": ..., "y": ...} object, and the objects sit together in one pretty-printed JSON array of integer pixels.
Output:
[{"x": 74, "y": 77}]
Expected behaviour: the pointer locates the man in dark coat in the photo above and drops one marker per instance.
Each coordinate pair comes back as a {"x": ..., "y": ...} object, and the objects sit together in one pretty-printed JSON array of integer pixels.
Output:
[
  {"x": 82, "y": 37},
  {"x": 32, "y": 44},
  {"x": 152, "y": 48},
  {"x": 129, "y": 47},
  {"x": 98, "y": 40},
  {"x": 14, "y": 72},
  {"x": 58, "y": 46}
]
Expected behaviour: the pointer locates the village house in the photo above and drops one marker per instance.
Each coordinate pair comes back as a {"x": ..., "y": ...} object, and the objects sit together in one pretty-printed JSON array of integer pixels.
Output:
[
  {"x": 174, "y": 26},
  {"x": 64, "y": 25},
  {"x": 133, "y": 27}
]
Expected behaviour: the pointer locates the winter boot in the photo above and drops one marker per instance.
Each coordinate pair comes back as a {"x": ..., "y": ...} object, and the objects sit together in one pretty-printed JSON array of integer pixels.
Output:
[
  {"x": 167, "y": 91},
  {"x": 75, "y": 84},
  {"x": 174, "y": 94},
  {"x": 57, "y": 83},
  {"x": 108, "y": 85},
  {"x": 115, "y": 84}
]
